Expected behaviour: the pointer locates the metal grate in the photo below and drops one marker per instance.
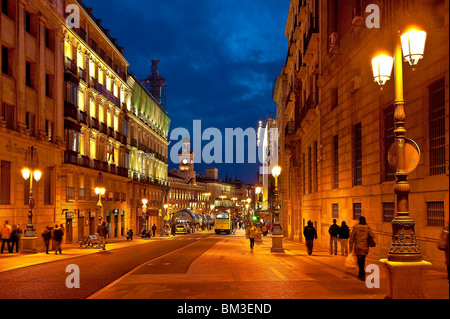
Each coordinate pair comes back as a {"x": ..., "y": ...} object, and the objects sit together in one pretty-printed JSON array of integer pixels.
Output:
[
  {"x": 357, "y": 210},
  {"x": 335, "y": 210},
  {"x": 435, "y": 214},
  {"x": 437, "y": 127},
  {"x": 357, "y": 179}
]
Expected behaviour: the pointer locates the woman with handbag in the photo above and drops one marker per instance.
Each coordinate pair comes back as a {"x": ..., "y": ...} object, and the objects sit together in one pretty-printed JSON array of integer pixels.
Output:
[{"x": 361, "y": 239}]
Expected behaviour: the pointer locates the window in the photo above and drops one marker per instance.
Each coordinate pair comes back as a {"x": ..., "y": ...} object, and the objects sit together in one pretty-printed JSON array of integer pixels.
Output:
[
  {"x": 48, "y": 186},
  {"x": 389, "y": 139},
  {"x": 30, "y": 74},
  {"x": 71, "y": 93},
  {"x": 334, "y": 97},
  {"x": 8, "y": 115},
  {"x": 30, "y": 121},
  {"x": 388, "y": 212},
  {"x": 357, "y": 157},
  {"x": 49, "y": 86},
  {"x": 316, "y": 169},
  {"x": 437, "y": 127},
  {"x": 7, "y": 61},
  {"x": 49, "y": 129},
  {"x": 435, "y": 214},
  {"x": 335, "y": 210},
  {"x": 310, "y": 171},
  {"x": 335, "y": 162},
  {"x": 357, "y": 211},
  {"x": 50, "y": 39},
  {"x": 5, "y": 183},
  {"x": 303, "y": 174},
  {"x": 5, "y": 7}
]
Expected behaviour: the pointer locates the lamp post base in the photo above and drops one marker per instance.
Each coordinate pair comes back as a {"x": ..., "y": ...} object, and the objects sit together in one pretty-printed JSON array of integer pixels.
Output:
[
  {"x": 406, "y": 280},
  {"x": 277, "y": 244},
  {"x": 29, "y": 245}
]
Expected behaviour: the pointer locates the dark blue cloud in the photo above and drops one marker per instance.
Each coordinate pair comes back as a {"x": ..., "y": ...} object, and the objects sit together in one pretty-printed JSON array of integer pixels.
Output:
[{"x": 219, "y": 57}]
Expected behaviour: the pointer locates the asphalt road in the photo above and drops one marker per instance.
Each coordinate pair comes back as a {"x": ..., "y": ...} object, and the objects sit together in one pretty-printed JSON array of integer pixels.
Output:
[{"x": 48, "y": 281}]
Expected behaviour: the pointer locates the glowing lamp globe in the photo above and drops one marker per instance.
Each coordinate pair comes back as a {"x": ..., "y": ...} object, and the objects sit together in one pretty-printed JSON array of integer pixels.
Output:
[
  {"x": 382, "y": 68},
  {"x": 413, "y": 45}
]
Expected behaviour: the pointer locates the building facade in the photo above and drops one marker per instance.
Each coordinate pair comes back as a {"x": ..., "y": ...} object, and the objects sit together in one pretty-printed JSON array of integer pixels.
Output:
[
  {"x": 67, "y": 92},
  {"x": 336, "y": 125}
]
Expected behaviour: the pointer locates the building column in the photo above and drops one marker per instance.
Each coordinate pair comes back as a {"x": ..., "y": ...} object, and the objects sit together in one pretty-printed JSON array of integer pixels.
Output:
[{"x": 59, "y": 87}]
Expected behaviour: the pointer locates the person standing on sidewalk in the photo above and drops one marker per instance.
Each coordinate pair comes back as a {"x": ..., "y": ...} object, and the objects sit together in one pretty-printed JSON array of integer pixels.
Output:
[
  {"x": 310, "y": 234},
  {"x": 102, "y": 231},
  {"x": 15, "y": 237},
  {"x": 360, "y": 246},
  {"x": 6, "y": 236},
  {"x": 344, "y": 234},
  {"x": 58, "y": 237},
  {"x": 154, "y": 230},
  {"x": 46, "y": 236},
  {"x": 333, "y": 231},
  {"x": 252, "y": 231}
]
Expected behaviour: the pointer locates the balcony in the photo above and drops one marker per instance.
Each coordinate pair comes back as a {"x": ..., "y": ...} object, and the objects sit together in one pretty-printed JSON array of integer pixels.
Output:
[
  {"x": 134, "y": 142},
  {"x": 311, "y": 39},
  {"x": 122, "y": 171},
  {"x": 70, "y": 110},
  {"x": 82, "y": 74},
  {"x": 85, "y": 161},
  {"x": 93, "y": 83},
  {"x": 104, "y": 128},
  {"x": 70, "y": 65},
  {"x": 111, "y": 132},
  {"x": 83, "y": 117},
  {"x": 71, "y": 157},
  {"x": 94, "y": 123}
]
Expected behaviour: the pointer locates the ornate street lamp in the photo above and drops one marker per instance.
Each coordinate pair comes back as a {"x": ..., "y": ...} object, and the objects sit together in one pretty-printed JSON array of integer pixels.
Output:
[
  {"x": 144, "y": 212},
  {"x": 100, "y": 191},
  {"x": 28, "y": 173},
  {"x": 277, "y": 233},
  {"x": 404, "y": 256},
  {"x": 258, "y": 191}
]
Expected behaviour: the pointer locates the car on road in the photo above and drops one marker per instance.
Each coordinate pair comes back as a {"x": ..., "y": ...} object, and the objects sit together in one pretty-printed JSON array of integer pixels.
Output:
[{"x": 181, "y": 229}]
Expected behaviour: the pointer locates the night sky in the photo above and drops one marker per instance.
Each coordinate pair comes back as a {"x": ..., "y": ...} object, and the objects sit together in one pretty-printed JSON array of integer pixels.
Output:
[{"x": 219, "y": 58}]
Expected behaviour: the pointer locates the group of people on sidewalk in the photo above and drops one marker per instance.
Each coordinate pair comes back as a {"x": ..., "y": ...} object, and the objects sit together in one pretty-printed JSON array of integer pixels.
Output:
[
  {"x": 57, "y": 234},
  {"x": 11, "y": 237},
  {"x": 358, "y": 241}
]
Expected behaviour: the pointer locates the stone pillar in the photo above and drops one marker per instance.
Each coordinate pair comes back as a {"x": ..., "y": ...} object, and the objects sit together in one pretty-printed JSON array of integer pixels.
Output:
[{"x": 59, "y": 88}]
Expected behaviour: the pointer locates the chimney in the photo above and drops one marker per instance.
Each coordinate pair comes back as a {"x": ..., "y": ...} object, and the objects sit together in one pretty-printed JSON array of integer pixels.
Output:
[
  {"x": 121, "y": 50},
  {"x": 99, "y": 22},
  {"x": 107, "y": 32},
  {"x": 90, "y": 11},
  {"x": 114, "y": 41}
]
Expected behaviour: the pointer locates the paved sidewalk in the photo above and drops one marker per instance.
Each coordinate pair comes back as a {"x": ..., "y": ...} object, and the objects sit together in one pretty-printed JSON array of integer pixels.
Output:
[{"x": 229, "y": 270}]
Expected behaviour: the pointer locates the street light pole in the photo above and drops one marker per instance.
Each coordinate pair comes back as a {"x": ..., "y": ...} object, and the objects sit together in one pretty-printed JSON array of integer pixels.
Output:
[
  {"x": 405, "y": 268},
  {"x": 258, "y": 238},
  {"x": 31, "y": 159},
  {"x": 277, "y": 233}
]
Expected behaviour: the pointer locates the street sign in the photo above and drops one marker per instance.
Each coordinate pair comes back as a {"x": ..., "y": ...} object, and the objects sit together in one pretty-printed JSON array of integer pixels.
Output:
[{"x": 412, "y": 156}]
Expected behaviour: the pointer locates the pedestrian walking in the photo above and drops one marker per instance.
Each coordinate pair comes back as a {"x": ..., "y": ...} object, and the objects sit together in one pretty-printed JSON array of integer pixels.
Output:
[
  {"x": 173, "y": 229},
  {"x": 333, "y": 231},
  {"x": 443, "y": 245},
  {"x": 344, "y": 235},
  {"x": 102, "y": 232},
  {"x": 359, "y": 244},
  {"x": 6, "y": 231},
  {"x": 16, "y": 234},
  {"x": 252, "y": 231},
  {"x": 46, "y": 236},
  {"x": 58, "y": 237},
  {"x": 154, "y": 230},
  {"x": 310, "y": 234}
]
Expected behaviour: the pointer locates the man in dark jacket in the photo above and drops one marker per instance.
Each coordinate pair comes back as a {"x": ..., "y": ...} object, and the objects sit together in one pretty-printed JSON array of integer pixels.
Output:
[
  {"x": 154, "y": 230},
  {"x": 344, "y": 235},
  {"x": 310, "y": 234},
  {"x": 102, "y": 231},
  {"x": 333, "y": 231},
  {"x": 58, "y": 237},
  {"x": 46, "y": 236}
]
